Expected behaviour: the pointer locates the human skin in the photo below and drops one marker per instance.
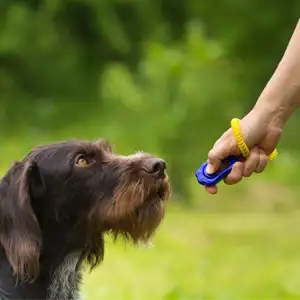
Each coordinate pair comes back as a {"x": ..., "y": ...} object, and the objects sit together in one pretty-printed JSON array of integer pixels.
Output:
[{"x": 262, "y": 126}]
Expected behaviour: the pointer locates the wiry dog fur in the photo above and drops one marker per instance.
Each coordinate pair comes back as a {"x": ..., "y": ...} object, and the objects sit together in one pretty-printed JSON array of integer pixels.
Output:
[{"x": 56, "y": 205}]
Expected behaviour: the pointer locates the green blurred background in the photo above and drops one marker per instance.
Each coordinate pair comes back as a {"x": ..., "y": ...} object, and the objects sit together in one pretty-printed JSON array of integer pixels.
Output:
[{"x": 163, "y": 76}]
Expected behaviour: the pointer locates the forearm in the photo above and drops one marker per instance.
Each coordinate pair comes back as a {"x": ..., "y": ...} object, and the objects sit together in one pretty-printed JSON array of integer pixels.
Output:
[{"x": 281, "y": 95}]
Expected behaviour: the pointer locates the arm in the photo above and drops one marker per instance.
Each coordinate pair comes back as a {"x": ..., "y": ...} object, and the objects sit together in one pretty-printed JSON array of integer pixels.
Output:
[
  {"x": 262, "y": 126},
  {"x": 281, "y": 95}
]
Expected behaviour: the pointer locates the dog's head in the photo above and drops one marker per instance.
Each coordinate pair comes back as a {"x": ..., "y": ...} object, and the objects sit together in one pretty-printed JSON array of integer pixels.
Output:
[{"x": 82, "y": 189}]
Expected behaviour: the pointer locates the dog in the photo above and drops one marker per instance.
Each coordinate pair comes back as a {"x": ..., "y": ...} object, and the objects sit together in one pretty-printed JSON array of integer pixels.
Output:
[{"x": 57, "y": 204}]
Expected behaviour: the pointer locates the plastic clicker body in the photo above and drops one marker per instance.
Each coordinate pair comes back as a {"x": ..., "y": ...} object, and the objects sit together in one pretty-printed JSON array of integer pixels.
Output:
[{"x": 213, "y": 179}]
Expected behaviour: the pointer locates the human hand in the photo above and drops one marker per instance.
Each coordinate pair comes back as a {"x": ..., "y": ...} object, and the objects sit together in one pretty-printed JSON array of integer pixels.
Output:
[{"x": 260, "y": 135}]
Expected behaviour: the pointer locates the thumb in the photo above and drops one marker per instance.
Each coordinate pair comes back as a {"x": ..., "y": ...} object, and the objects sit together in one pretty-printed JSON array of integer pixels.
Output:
[
  {"x": 212, "y": 167},
  {"x": 214, "y": 162},
  {"x": 223, "y": 148}
]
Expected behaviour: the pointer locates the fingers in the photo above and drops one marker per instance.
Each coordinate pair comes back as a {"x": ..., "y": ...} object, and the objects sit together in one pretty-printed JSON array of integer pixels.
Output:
[
  {"x": 236, "y": 174},
  {"x": 255, "y": 163},
  {"x": 223, "y": 147},
  {"x": 213, "y": 163},
  {"x": 251, "y": 162},
  {"x": 211, "y": 189},
  {"x": 263, "y": 161}
]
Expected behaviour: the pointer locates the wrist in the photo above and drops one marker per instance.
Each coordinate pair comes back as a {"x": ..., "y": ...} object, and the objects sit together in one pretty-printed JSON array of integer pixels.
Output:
[
  {"x": 275, "y": 106},
  {"x": 270, "y": 115},
  {"x": 273, "y": 114}
]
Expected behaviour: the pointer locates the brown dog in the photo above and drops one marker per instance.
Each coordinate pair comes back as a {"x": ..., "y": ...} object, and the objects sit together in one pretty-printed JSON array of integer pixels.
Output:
[{"x": 57, "y": 203}]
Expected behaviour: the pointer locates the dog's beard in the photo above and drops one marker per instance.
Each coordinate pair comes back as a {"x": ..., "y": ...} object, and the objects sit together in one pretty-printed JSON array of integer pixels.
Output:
[{"x": 135, "y": 212}]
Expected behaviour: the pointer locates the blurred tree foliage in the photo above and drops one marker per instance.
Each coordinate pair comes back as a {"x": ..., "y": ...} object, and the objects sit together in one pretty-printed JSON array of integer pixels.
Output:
[{"x": 157, "y": 75}]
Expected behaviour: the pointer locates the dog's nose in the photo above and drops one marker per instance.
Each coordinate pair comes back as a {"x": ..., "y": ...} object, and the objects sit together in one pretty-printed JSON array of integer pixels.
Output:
[{"x": 155, "y": 166}]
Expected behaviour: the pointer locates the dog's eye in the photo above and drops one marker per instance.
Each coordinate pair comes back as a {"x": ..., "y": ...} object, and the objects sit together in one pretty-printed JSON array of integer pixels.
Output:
[{"x": 81, "y": 161}]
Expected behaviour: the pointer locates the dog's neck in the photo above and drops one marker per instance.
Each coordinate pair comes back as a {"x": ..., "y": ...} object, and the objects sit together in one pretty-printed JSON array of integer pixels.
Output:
[
  {"x": 62, "y": 259},
  {"x": 60, "y": 263},
  {"x": 66, "y": 279},
  {"x": 58, "y": 280}
]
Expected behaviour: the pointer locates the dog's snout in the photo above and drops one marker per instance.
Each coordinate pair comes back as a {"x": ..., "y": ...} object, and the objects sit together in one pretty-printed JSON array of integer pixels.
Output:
[{"x": 154, "y": 166}]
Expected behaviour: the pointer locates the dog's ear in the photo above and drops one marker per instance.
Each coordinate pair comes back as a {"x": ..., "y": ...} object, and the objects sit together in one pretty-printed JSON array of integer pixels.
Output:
[{"x": 20, "y": 234}]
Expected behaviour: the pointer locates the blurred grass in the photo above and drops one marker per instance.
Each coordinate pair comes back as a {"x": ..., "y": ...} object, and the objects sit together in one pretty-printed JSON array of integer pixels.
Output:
[{"x": 212, "y": 256}]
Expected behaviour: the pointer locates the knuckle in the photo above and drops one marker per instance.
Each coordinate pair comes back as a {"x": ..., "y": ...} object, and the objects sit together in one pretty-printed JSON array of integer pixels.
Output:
[
  {"x": 232, "y": 179},
  {"x": 262, "y": 164},
  {"x": 248, "y": 173},
  {"x": 234, "y": 176},
  {"x": 265, "y": 159},
  {"x": 248, "y": 170},
  {"x": 251, "y": 164}
]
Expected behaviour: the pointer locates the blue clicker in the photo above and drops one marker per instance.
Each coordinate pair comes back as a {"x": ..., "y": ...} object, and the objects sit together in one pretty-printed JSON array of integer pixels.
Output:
[{"x": 212, "y": 179}]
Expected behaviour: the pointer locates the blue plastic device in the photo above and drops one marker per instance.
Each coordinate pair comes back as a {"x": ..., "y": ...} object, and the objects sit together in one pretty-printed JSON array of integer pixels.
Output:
[{"x": 212, "y": 179}]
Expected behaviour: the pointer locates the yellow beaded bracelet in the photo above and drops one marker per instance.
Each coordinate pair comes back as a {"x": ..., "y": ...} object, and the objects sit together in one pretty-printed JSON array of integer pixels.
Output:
[{"x": 235, "y": 126}]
